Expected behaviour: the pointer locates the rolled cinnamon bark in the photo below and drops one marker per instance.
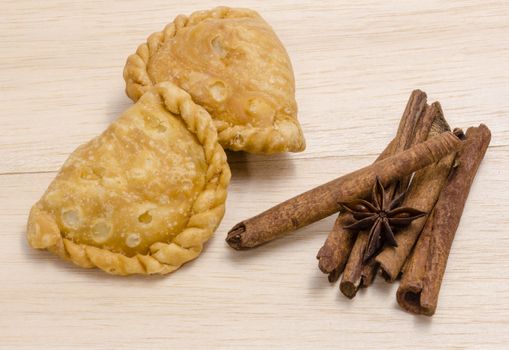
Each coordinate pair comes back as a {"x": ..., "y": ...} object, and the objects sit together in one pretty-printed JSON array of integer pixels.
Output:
[
  {"x": 352, "y": 279},
  {"x": 333, "y": 255},
  {"x": 322, "y": 201},
  {"x": 422, "y": 195},
  {"x": 412, "y": 129},
  {"x": 422, "y": 277}
]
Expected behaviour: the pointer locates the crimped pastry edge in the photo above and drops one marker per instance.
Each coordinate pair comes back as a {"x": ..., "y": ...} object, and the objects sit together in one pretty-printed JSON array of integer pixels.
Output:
[
  {"x": 163, "y": 258},
  {"x": 283, "y": 136}
]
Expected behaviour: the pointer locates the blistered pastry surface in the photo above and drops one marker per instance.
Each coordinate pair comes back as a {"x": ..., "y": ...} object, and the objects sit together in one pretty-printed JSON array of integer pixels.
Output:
[
  {"x": 233, "y": 64},
  {"x": 133, "y": 185},
  {"x": 155, "y": 178}
]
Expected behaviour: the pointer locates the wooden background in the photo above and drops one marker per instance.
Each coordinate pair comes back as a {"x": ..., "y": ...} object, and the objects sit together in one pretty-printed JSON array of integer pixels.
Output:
[{"x": 355, "y": 63}]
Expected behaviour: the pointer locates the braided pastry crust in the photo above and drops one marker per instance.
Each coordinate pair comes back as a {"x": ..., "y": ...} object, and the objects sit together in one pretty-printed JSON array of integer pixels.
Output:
[
  {"x": 233, "y": 64},
  {"x": 141, "y": 198}
]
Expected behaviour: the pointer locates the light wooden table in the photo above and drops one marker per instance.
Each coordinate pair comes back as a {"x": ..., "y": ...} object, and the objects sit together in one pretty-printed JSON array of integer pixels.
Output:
[{"x": 356, "y": 63}]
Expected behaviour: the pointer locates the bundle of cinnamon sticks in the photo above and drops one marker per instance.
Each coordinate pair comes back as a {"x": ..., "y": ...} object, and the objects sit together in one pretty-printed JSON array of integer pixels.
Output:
[{"x": 429, "y": 168}]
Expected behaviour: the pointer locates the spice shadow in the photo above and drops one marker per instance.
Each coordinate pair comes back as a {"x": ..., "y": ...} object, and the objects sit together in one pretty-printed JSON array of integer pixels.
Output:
[
  {"x": 419, "y": 321},
  {"x": 381, "y": 287},
  {"x": 319, "y": 284}
]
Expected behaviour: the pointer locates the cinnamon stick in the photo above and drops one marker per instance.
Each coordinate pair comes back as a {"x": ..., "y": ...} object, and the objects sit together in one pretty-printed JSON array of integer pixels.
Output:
[
  {"x": 422, "y": 277},
  {"x": 422, "y": 195},
  {"x": 322, "y": 201},
  {"x": 412, "y": 129},
  {"x": 334, "y": 253},
  {"x": 352, "y": 279}
]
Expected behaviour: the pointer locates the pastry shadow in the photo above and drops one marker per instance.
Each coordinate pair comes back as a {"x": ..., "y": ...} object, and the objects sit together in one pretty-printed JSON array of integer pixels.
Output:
[{"x": 245, "y": 165}]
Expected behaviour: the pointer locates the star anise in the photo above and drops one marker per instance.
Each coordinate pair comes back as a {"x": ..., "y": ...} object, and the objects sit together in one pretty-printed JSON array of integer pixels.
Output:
[{"x": 381, "y": 217}]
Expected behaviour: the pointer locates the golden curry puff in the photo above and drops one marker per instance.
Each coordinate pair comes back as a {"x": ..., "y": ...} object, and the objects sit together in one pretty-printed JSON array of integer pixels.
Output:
[
  {"x": 141, "y": 198},
  {"x": 232, "y": 63}
]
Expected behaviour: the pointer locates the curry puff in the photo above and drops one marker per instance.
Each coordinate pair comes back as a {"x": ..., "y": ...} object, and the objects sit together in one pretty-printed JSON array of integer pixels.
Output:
[
  {"x": 232, "y": 63},
  {"x": 141, "y": 198}
]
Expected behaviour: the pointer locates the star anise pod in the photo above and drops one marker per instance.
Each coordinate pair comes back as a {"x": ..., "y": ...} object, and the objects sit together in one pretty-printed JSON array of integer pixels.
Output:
[{"x": 381, "y": 217}]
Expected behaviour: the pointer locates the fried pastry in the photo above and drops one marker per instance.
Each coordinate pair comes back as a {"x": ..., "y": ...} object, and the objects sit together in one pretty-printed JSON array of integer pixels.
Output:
[
  {"x": 233, "y": 64},
  {"x": 141, "y": 198}
]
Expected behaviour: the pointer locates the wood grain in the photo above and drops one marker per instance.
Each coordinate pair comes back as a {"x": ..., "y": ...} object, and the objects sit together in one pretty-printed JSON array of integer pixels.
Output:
[{"x": 355, "y": 65}]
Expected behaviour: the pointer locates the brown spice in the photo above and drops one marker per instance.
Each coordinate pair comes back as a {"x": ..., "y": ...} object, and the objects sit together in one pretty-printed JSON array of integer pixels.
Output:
[
  {"x": 422, "y": 194},
  {"x": 381, "y": 216},
  {"x": 413, "y": 128},
  {"x": 422, "y": 277},
  {"x": 322, "y": 201},
  {"x": 353, "y": 278},
  {"x": 334, "y": 253}
]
